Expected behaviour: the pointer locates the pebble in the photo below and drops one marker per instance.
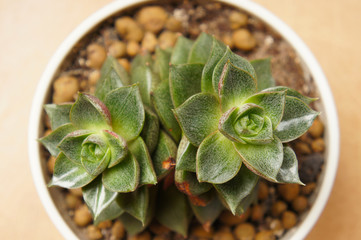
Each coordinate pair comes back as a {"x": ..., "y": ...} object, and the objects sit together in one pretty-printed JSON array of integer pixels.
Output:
[
  {"x": 174, "y": 25},
  {"x": 105, "y": 224},
  {"x": 302, "y": 148},
  {"x": 257, "y": 213},
  {"x": 125, "y": 63},
  {"x": 300, "y": 204},
  {"x": 94, "y": 232},
  {"x": 223, "y": 235},
  {"x": 243, "y": 39},
  {"x": 310, "y": 167},
  {"x": 72, "y": 201},
  {"x": 308, "y": 189},
  {"x": 227, "y": 39},
  {"x": 96, "y": 56},
  {"x": 94, "y": 77},
  {"x": 229, "y": 219},
  {"x": 167, "y": 39},
  {"x": 318, "y": 145},
  {"x": 129, "y": 29},
  {"x": 118, "y": 230},
  {"x": 265, "y": 235},
  {"x": 149, "y": 42},
  {"x": 245, "y": 231},
  {"x": 276, "y": 227},
  {"x": 82, "y": 216},
  {"x": 158, "y": 229},
  {"x": 237, "y": 19},
  {"x": 289, "y": 219},
  {"x": 50, "y": 164},
  {"x": 133, "y": 48},
  {"x": 118, "y": 49},
  {"x": 142, "y": 236},
  {"x": 278, "y": 208},
  {"x": 152, "y": 18},
  {"x": 77, "y": 192},
  {"x": 263, "y": 191},
  {"x": 47, "y": 132},
  {"x": 288, "y": 191},
  {"x": 65, "y": 88},
  {"x": 198, "y": 231},
  {"x": 317, "y": 128}
]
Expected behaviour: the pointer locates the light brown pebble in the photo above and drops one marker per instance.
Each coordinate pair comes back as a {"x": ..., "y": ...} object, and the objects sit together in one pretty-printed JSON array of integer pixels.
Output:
[
  {"x": 118, "y": 230},
  {"x": 276, "y": 227},
  {"x": 149, "y": 42},
  {"x": 83, "y": 85},
  {"x": 227, "y": 39},
  {"x": 263, "y": 191},
  {"x": 96, "y": 56},
  {"x": 300, "y": 203},
  {"x": 72, "y": 201},
  {"x": 237, "y": 19},
  {"x": 306, "y": 138},
  {"x": 133, "y": 48},
  {"x": 77, "y": 192},
  {"x": 302, "y": 148},
  {"x": 289, "y": 191},
  {"x": 257, "y": 213},
  {"x": 117, "y": 49},
  {"x": 82, "y": 216},
  {"x": 289, "y": 219},
  {"x": 318, "y": 145},
  {"x": 265, "y": 235},
  {"x": 94, "y": 77},
  {"x": 229, "y": 219},
  {"x": 243, "y": 40},
  {"x": 142, "y": 236},
  {"x": 316, "y": 130},
  {"x": 167, "y": 39},
  {"x": 160, "y": 237},
  {"x": 278, "y": 208},
  {"x": 105, "y": 224},
  {"x": 174, "y": 25},
  {"x": 47, "y": 121},
  {"x": 158, "y": 229},
  {"x": 47, "y": 132},
  {"x": 65, "y": 88},
  {"x": 94, "y": 232},
  {"x": 125, "y": 63},
  {"x": 244, "y": 231},
  {"x": 222, "y": 235},
  {"x": 198, "y": 231},
  {"x": 50, "y": 164},
  {"x": 152, "y": 18},
  {"x": 129, "y": 29},
  {"x": 308, "y": 189}
]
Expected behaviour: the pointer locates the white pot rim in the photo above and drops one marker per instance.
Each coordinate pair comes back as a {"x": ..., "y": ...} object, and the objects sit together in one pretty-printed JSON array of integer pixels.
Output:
[{"x": 331, "y": 120}]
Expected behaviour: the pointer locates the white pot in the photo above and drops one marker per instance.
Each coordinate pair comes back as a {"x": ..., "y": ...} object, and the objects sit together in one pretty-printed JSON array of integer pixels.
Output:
[{"x": 327, "y": 106}]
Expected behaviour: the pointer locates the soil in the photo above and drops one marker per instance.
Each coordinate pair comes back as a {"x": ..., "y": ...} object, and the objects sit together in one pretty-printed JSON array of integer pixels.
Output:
[{"x": 267, "y": 216}]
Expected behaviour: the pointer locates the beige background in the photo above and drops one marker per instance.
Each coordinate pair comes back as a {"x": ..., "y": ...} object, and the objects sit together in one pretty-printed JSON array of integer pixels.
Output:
[{"x": 31, "y": 30}]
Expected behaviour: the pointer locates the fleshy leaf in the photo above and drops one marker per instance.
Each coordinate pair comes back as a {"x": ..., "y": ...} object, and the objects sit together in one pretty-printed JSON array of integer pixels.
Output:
[
  {"x": 109, "y": 213},
  {"x": 142, "y": 59},
  {"x": 237, "y": 61},
  {"x": 58, "y": 114},
  {"x": 198, "y": 116},
  {"x": 135, "y": 203},
  {"x": 264, "y": 160},
  {"x": 164, "y": 155},
  {"x": 273, "y": 104},
  {"x": 235, "y": 86},
  {"x": 117, "y": 146},
  {"x": 161, "y": 65},
  {"x": 163, "y": 104},
  {"x": 291, "y": 92},
  {"x": 234, "y": 191},
  {"x": 208, "y": 214},
  {"x": 127, "y": 112},
  {"x": 112, "y": 76},
  {"x": 297, "y": 119},
  {"x": 217, "y": 52},
  {"x": 123, "y": 177},
  {"x": 173, "y": 210},
  {"x": 140, "y": 152},
  {"x": 200, "y": 50},
  {"x": 150, "y": 131},
  {"x": 187, "y": 183},
  {"x": 68, "y": 174},
  {"x": 71, "y": 145},
  {"x": 264, "y": 73},
  {"x": 186, "y": 156},
  {"x": 185, "y": 81},
  {"x": 181, "y": 50},
  {"x": 264, "y": 136},
  {"x": 247, "y": 201},
  {"x": 289, "y": 169},
  {"x": 97, "y": 197},
  {"x": 52, "y": 141},
  {"x": 217, "y": 160}
]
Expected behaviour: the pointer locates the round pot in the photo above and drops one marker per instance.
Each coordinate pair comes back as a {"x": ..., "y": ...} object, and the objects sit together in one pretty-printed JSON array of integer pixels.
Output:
[{"x": 49, "y": 196}]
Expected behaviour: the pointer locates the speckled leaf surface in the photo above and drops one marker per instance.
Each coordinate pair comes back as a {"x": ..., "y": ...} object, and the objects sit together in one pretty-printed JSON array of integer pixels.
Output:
[
  {"x": 185, "y": 81},
  {"x": 264, "y": 136},
  {"x": 217, "y": 52},
  {"x": 117, "y": 146},
  {"x": 142, "y": 59},
  {"x": 217, "y": 159},
  {"x": 58, "y": 114},
  {"x": 199, "y": 52},
  {"x": 264, "y": 73},
  {"x": 235, "y": 86},
  {"x": 123, "y": 177},
  {"x": 161, "y": 65},
  {"x": 88, "y": 112},
  {"x": 132, "y": 225},
  {"x": 173, "y": 210},
  {"x": 186, "y": 156},
  {"x": 112, "y": 76},
  {"x": 140, "y": 152},
  {"x": 208, "y": 214},
  {"x": 187, "y": 183},
  {"x": 181, "y": 50},
  {"x": 68, "y": 174},
  {"x": 247, "y": 201},
  {"x": 54, "y": 138},
  {"x": 289, "y": 170},
  {"x": 264, "y": 160},
  {"x": 198, "y": 117},
  {"x": 163, "y": 105},
  {"x": 164, "y": 155},
  {"x": 150, "y": 131},
  {"x": 297, "y": 119},
  {"x": 98, "y": 198},
  {"x": 235, "y": 190},
  {"x": 111, "y": 212},
  {"x": 291, "y": 92},
  {"x": 127, "y": 111}
]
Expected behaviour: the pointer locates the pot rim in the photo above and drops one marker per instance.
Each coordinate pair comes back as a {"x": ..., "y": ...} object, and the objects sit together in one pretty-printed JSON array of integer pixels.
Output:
[{"x": 331, "y": 119}]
